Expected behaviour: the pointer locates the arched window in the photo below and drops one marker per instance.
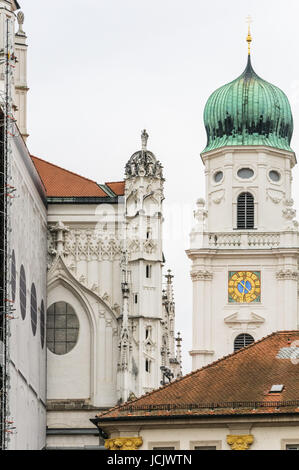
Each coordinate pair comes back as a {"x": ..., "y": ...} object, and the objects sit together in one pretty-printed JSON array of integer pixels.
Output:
[
  {"x": 245, "y": 211},
  {"x": 242, "y": 341},
  {"x": 62, "y": 328}
]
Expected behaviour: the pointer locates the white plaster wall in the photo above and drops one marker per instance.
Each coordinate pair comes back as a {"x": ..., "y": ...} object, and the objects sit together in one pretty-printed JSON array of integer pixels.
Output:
[
  {"x": 270, "y": 437},
  {"x": 221, "y": 197},
  {"x": 28, "y": 369},
  {"x": 69, "y": 375},
  {"x": 217, "y": 248}
]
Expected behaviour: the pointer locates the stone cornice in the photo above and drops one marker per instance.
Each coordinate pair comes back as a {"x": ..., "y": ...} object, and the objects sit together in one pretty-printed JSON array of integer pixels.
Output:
[
  {"x": 201, "y": 275},
  {"x": 287, "y": 275}
]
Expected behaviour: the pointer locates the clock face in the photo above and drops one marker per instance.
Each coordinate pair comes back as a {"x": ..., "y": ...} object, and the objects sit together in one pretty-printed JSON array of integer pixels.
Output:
[{"x": 244, "y": 286}]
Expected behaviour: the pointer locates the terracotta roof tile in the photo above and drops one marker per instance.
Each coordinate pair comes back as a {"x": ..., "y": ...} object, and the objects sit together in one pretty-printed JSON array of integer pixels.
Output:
[
  {"x": 117, "y": 187},
  {"x": 63, "y": 183},
  {"x": 236, "y": 384}
]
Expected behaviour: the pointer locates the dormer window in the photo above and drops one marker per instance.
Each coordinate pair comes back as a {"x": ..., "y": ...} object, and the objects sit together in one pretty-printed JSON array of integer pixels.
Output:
[{"x": 276, "y": 388}]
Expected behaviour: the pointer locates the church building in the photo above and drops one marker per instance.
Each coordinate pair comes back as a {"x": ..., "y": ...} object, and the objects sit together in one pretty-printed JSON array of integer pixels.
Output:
[
  {"x": 243, "y": 391},
  {"x": 244, "y": 246}
]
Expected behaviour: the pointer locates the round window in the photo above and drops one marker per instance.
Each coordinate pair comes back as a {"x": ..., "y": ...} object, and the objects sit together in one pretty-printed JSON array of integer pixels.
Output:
[
  {"x": 218, "y": 176},
  {"x": 62, "y": 328},
  {"x": 274, "y": 176},
  {"x": 33, "y": 310},
  {"x": 245, "y": 173},
  {"x": 13, "y": 276},
  {"x": 23, "y": 298},
  {"x": 42, "y": 324}
]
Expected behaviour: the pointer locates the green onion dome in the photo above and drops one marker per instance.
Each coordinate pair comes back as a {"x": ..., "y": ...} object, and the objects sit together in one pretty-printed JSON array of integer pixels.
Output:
[{"x": 248, "y": 111}]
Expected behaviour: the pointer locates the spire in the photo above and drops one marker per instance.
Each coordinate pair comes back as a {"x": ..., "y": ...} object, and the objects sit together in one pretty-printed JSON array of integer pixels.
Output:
[
  {"x": 249, "y": 38},
  {"x": 179, "y": 340},
  {"x": 144, "y": 139}
]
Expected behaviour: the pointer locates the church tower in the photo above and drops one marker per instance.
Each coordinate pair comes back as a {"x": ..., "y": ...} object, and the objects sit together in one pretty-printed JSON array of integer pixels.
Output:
[{"x": 244, "y": 246}]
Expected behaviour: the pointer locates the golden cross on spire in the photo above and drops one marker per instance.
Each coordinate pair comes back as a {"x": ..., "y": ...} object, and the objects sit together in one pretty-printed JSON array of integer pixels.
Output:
[{"x": 249, "y": 38}]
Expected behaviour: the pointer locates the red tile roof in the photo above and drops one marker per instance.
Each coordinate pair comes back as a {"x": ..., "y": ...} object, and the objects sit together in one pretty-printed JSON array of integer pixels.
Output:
[
  {"x": 118, "y": 187},
  {"x": 236, "y": 384},
  {"x": 64, "y": 183}
]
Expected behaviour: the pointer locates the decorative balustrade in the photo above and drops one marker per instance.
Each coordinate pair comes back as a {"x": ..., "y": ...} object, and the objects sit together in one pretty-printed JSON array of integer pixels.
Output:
[{"x": 249, "y": 239}]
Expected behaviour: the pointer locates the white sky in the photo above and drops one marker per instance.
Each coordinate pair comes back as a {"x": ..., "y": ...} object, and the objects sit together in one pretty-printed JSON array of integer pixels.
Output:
[{"x": 100, "y": 71}]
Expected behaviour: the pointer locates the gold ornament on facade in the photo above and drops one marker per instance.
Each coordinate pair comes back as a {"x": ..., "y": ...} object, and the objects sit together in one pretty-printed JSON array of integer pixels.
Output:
[
  {"x": 240, "y": 442},
  {"x": 124, "y": 443},
  {"x": 249, "y": 37}
]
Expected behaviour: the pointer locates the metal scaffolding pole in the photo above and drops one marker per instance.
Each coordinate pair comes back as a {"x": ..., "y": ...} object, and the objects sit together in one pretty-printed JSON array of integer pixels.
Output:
[{"x": 7, "y": 130}]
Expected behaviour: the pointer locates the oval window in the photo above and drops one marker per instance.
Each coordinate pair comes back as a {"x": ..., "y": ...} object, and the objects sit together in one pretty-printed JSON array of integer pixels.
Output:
[
  {"x": 33, "y": 309},
  {"x": 245, "y": 173},
  {"x": 62, "y": 328},
  {"x": 274, "y": 176},
  {"x": 218, "y": 176},
  {"x": 23, "y": 298}
]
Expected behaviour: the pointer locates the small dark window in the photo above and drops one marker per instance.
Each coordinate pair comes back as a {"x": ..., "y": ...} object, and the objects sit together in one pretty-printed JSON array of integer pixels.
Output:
[
  {"x": 147, "y": 365},
  {"x": 148, "y": 271},
  {"x": 23, "y": 293},
  {"x": 245, "y": 173},
  {"x": 136, "y": 298},
  {"x": 292, "y": 446},
  {"x": 218, "y": 176},
  {"x": 274, "y": 176},
  {"x": 163, "y": 448},
  {"x": 62, "y": 328},
  {"x": 245, "y": 211},
  {"x": 42, "y": 324},
  {"x": 205, "y": 448},
  {"x": 242, "y": 341},
  {"x": 33, "y": 309},
  {"x": 13, "y": 275}
]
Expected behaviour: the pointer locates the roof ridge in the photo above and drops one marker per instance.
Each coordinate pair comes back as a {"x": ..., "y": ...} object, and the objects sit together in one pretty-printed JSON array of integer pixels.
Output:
[
  {"x": 64, "y": 169},
  {"x": 181, "y": 379}
]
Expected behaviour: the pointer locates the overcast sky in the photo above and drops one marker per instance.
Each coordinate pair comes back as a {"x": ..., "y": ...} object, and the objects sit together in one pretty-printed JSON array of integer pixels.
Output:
[{"x": 100, "y": 71}]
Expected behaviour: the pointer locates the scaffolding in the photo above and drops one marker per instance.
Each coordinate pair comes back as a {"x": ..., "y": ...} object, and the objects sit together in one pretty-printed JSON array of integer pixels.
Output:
[{"x": 7, "y": 132}]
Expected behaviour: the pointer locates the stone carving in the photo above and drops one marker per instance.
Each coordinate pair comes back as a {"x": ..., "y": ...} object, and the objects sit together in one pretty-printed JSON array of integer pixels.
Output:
[
  {"x": 59, "y": 230},
  {"x": 124, "y": 443},
  {"x": 201, "y": 276},
  {"x": 289, "y": 213},
  {"x": 275, "y": 196},
  {"x": 240, "y": 442},
  {"x": 218, "y": 196},
  {"x": 20, "y": 18},
  {"x": 144, "y": 163},
  {"x": 200, "y": 214},
  {"x": 287, "y": 275}
]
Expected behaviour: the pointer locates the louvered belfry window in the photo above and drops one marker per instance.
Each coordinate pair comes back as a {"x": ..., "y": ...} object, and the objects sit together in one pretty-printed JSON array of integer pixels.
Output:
[
  {"x": 242, "y": 341},
  {"x": 245, "y": 211}
]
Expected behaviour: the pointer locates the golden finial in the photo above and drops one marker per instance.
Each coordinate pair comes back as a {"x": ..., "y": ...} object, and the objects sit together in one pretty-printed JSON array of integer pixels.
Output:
[{"x": 249, "y": 38}]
